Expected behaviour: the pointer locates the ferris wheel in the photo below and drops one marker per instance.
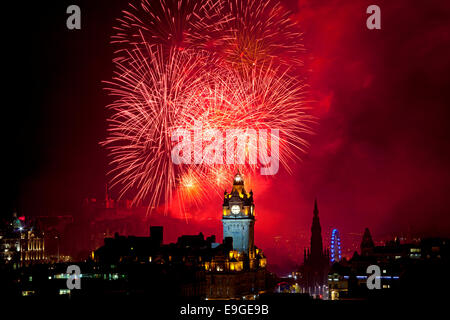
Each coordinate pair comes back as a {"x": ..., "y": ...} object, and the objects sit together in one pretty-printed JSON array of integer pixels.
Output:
[{"x": 335, "y": 252}]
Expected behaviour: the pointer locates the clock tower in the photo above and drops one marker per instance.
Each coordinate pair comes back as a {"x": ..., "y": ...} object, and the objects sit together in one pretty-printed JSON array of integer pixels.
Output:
[{"x": 239, "y": 216}]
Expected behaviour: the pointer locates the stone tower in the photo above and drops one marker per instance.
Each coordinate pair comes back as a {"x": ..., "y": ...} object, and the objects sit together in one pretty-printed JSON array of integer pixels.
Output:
[{"x": 238, "y": 216}]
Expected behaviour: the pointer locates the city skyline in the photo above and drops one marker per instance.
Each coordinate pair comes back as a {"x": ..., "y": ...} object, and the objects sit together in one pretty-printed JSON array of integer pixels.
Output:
[
  {"x": 379, "y": 157},
  {"x": 210, "y": 269}
]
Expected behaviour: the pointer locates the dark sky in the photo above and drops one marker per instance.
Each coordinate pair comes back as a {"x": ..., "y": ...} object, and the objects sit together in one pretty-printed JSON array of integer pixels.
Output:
[{"x": 380, "y": 156}]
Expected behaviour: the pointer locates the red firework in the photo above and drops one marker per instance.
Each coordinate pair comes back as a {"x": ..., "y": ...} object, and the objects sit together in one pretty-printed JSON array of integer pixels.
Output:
[
  {"x": 159, "y": 88},
  {"x": 255, "y": 33},
  {"x": 150, "y": 90},
  {"x": 180, "y": 24}
]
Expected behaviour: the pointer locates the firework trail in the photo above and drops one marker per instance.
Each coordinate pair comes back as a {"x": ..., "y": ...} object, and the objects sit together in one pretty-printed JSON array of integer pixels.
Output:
[
  {"x": 257, "y": 32},
  {"x": 222, "y": 63},
  {"x": 150, "y": 90},
  {"x": 171, "y": 24}
]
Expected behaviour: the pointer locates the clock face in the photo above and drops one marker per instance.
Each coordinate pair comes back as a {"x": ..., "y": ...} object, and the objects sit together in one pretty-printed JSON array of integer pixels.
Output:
[{"x": 235, "y": 209}]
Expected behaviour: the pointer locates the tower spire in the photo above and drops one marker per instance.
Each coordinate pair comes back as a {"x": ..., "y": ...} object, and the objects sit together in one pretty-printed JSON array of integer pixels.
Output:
[
  {"x": 316, "y": 210},
  {"x": 316, "y": 266},
  {"x": 238, "y": 180},
  {"x": 316, "y": 233}
]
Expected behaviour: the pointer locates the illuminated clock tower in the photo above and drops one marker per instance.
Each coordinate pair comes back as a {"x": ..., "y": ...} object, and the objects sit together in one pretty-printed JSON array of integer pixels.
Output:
[{"x": 239, "y": 216}]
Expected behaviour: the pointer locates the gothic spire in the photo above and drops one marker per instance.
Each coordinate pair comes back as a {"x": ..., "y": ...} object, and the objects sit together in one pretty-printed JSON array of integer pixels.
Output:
[
  {"x": 316, "y": 211},
  {"x": 316, "y": 233}
]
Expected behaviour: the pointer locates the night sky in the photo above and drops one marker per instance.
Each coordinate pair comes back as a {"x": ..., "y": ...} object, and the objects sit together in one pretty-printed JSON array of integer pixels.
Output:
[{"x": 379, "y": 158}]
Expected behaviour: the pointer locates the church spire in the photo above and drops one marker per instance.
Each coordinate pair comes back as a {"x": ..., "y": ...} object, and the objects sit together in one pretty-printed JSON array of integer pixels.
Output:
[
  {"x": 316, "y": 265},
  {"x": 316, "y": 233}
]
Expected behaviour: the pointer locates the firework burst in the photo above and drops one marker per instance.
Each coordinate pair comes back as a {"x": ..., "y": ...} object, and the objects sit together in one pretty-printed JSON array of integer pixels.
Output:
[
  {"x": 150, "y": 91},
  {"x": 171, "y": 72},
  {"x": 260, "y": 99},
  {"x": 181, "y": 24},
  {"x": 258, "y": 32}
]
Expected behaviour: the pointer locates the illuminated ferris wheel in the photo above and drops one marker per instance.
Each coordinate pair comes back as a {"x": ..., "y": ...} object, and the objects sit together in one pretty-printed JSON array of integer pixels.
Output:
[{"x": 335, "y": 252}]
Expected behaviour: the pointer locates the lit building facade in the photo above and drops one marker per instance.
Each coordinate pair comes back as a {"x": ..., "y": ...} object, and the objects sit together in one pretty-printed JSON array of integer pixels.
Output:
[{"x": 21, "y": 245}]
